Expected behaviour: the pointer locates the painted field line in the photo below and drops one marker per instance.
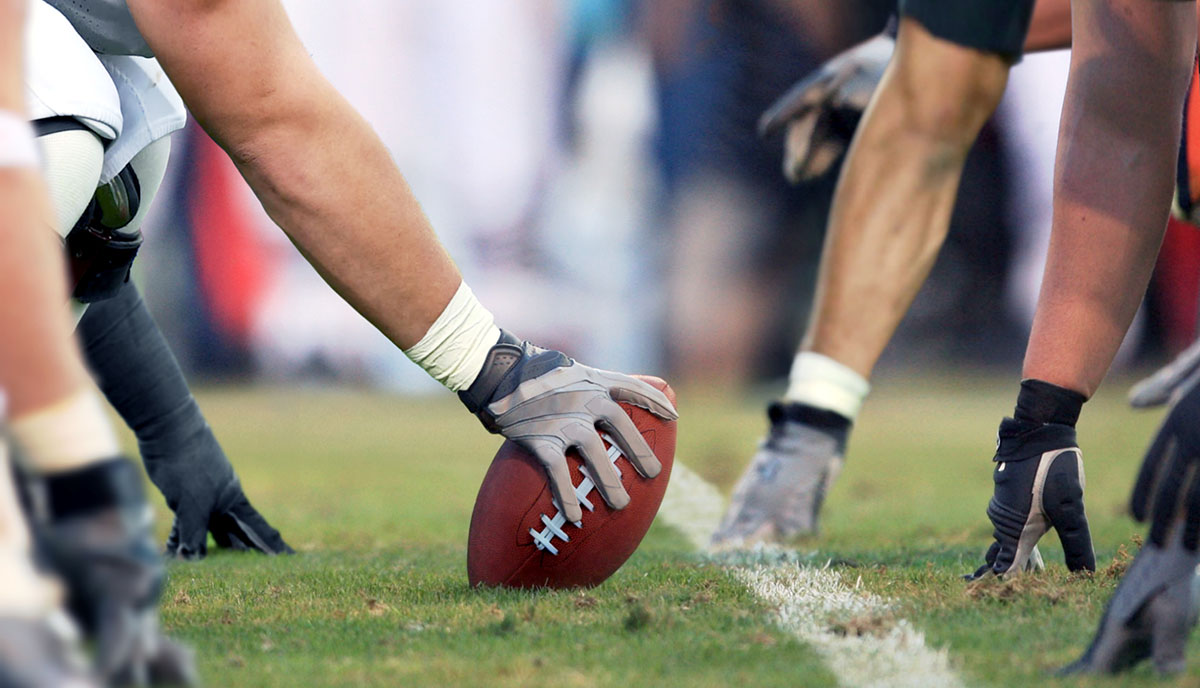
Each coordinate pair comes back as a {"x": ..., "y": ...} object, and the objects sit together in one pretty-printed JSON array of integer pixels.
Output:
[{"x": 808, "y": 600}]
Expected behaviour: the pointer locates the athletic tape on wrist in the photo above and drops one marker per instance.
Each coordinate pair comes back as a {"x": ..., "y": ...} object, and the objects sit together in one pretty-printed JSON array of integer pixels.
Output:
[
  {"x": 17, "y": 147},
  {"x": 70, "y": 434},
  {"x": 820, "y": 381},
  {"x": 457, "y": 343}
]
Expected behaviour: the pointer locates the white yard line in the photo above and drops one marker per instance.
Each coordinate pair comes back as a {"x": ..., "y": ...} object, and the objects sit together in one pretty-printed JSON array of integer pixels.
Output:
[{"x": 806, "y": 598}]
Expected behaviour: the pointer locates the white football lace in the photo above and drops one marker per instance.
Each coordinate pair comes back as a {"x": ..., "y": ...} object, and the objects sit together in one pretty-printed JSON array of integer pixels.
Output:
[{"x": 544, "y": 538}]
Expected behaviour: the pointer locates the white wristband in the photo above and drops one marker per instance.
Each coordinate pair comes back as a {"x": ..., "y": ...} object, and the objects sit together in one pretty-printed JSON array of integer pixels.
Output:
[
  {"x": 820, "y": 381},
  {"x": 17, "y": 146},
  {"x": 456, "y": 344}
]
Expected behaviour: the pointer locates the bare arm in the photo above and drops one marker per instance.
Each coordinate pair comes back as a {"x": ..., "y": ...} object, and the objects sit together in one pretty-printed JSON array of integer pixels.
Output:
[
  {"x": 39, "y": 362},
  {"x": 320, "y": 171},
  {"x": 1050, "y": 28}
]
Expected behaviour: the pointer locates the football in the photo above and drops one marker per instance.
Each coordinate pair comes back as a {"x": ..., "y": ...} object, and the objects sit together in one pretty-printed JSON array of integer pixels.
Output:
[{"x": 519, "y": 538}]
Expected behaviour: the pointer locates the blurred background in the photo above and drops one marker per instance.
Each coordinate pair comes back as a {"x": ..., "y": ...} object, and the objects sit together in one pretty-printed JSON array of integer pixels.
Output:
[{"x": 593, "y": 167}]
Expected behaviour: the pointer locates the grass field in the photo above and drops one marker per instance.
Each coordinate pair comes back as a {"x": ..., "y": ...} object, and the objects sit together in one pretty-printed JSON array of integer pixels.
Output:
[{"x": 375, "y": 492}]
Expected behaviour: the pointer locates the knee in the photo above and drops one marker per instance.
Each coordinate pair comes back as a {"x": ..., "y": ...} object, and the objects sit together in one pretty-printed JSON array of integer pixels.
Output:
[{"x": 944, "y": 92}]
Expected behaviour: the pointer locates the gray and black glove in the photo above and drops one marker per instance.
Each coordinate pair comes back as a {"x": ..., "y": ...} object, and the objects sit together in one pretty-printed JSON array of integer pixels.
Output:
[
  {"x": 822, "y": 111},
  {"x": 139, "y": 375},
  {"x": 1038, "y": 485},
  {"x": 548, "y": 404},
  {"x": 93, "y": 528},
  {"x": 1154, "y": 609}
]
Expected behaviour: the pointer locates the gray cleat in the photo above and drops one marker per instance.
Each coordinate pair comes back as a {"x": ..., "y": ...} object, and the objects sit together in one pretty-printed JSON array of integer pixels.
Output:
[
  {"x": 779, "y": 496},
  {"x": 93, "y": 526},
  {"x": 41, "y": 653}
]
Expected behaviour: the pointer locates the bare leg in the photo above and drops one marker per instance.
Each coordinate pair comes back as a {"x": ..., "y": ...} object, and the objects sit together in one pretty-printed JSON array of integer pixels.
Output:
[
  {"x": 893, "y": 202},
  {"x": 1113, "y": 180}
]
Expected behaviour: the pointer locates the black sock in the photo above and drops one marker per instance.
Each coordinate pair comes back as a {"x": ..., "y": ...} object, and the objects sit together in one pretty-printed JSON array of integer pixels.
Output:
[{"x": 1042, "y": 402}]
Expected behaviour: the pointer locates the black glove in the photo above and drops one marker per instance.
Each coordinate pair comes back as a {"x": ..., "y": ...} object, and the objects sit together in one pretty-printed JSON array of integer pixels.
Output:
[
  {"x": 1154, "y": 610},
  {"x": 548, "y": 403},
  {"x": 1039, "y": 485},
  {"x": 141, "y": 378},
  {"x": 93, "y": 528},
  {"x": 1168, "y": 472}
]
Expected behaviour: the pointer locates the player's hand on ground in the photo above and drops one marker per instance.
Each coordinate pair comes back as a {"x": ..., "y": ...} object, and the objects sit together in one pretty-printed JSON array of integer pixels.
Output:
[
  {"x": 1039, "y": 485},
  {"x": 1151, "y": 614},
  {"x": 1154, "y": 609},
  {"x": 549, "y": 404},
  {"x": 779, "y": 496},
  {"x": 1169, "y": 382},
  {"x": 97, "y": 538},
  {"x": 230, "y": 517},
  {"x": 203, "y": 490},
  {"x": 820, "y": 113}
]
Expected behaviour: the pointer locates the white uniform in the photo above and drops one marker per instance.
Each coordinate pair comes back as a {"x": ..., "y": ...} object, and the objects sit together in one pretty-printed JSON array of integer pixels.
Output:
[{"x": 125, "y": 99}]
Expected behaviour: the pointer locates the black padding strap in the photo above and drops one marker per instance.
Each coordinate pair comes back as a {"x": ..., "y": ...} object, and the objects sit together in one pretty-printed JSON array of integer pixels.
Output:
[
  {"x": 111, "y": 484},
  {"x": 57, "y": 124}
]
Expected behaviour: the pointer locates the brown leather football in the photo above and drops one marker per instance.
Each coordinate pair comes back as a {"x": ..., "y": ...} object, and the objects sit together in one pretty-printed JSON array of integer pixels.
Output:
[{"x": 516, "y": 531}]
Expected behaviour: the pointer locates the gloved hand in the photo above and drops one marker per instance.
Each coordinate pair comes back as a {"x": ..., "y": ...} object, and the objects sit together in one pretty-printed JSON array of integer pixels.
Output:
[
  {"x": 202, "y": 505},
  {"x": 141, "y": 379},
  {"x": 1154, "y": 609},
  {"x": 548, "y": 403},
  {"x": 1151, "y": 614},
  {"x": 1038, "y": 485},
  {"x": 822, "y": 111},
  {"x": 93, "y": 526},
  {"x": 779, "y": 497}
]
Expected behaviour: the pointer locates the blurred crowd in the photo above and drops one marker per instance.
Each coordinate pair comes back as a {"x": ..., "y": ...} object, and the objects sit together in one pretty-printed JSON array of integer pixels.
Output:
[{"x": 594, "y": 167}]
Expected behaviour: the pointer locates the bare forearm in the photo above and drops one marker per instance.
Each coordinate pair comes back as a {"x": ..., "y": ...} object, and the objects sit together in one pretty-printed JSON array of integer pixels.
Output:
[
  {"x": 319, "y": 169},
  {"x": 1113, "y": 182}
]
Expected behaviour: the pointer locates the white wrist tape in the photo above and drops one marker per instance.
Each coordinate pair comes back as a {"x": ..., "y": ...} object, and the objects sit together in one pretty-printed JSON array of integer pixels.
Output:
[
  {"x": 820, "y": 381},
  {"x": 17, "y": 147},
  {"x": 454, "y": 348},
  {"x": 70, "y": 434}
]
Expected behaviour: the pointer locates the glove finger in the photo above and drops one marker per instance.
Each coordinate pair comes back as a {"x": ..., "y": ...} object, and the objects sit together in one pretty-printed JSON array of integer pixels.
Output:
[
  {"x": 810, "y": 92},
  {"x": 798, "y": 145},
  {"x": 1155, "y": 459},
  {"x": 601, "y": 470},
  {"x": 243, "y": 522},
  {"x": 1015, "y": 536},
  {"x": 629, "y": 440},
  {"x": 1166, "y": 497},
  {"x": 189, "y": 533},
  {"x": 630, "y": 390},
  {"x": 989, "y": 559},
  {"x": 1062, "y": 500},
  {"x": 559, "y": 474},
  {"x": 1157, "y": 389}
]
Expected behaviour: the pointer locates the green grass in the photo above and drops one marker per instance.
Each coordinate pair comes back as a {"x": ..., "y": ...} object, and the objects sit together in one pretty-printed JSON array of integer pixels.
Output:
[{"x": 375, "y": 492}]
